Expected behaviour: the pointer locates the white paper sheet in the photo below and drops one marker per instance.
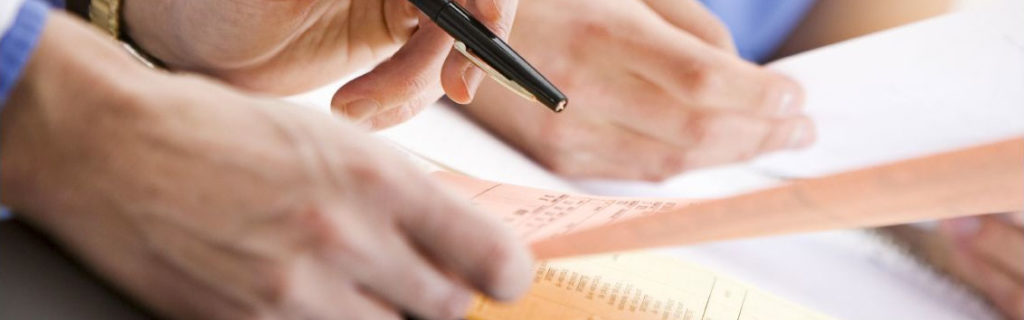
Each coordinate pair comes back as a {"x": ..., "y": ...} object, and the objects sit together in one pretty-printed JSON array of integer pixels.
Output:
[{"x": 933, "y": 86}]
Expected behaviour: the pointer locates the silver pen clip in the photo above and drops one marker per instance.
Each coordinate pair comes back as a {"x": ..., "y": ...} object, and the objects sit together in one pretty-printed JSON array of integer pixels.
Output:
[{"x": 497, "y": 76}]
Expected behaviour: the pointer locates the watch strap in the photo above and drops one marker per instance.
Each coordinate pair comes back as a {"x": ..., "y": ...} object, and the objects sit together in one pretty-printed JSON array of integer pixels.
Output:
[{"x": 106, "y": 15}]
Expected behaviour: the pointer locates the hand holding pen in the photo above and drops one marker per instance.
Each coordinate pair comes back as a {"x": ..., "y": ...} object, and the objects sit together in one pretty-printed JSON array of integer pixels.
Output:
[{"x": 288, "y": 47}]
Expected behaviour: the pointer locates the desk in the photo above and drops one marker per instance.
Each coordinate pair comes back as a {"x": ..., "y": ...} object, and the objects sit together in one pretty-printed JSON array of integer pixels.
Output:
[{"x": 39, "y": 281}]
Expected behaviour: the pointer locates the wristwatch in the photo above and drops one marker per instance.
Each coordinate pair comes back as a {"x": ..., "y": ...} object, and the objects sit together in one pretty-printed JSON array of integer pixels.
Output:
[{"x": 106, "y": 15}]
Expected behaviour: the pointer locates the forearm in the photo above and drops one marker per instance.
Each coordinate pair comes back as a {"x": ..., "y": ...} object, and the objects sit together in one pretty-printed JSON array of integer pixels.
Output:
[{"x": 73, "y": 73}]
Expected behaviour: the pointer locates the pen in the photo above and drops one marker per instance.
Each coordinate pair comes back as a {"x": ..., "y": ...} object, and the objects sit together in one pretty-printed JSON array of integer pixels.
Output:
[{"x": 492, "y": 54}]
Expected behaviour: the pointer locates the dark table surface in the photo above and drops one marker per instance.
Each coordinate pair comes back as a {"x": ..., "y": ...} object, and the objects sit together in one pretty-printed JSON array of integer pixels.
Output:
[{"x": 39, "y": 281}]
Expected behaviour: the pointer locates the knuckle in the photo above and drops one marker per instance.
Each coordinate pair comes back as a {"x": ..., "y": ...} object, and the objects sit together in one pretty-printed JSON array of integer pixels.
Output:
[
  {"x": 410, "y": 108},
  {"x": 416, "y": 84},
  {"x": 696, "y": 130},
  {"x": 701, "y": 82},
  {"x": 321, "y": 236},
  {"x": 393, "y": 117},
  {"x": 587, "y": 32},
  {"x": 277, "y": 286},
  {"x": 318, "y": 230}
]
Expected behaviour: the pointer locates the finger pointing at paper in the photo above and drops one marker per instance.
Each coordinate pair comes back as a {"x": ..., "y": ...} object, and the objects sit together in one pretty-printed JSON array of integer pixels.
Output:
[{"x": 657, "y": 89}]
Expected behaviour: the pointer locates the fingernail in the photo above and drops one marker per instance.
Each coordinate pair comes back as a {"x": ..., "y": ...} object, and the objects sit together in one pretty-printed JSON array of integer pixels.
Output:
[
  {"x": 788, "y": 104},
  {"x": 800, "y": 135},
  {"x": 472, "y": 77},
  {"x": 788, "y": 99},
  {"x": 361, "y": 109}
]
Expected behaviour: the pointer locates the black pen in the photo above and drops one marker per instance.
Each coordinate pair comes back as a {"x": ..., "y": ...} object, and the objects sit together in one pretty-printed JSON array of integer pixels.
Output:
[{"x": 492, "y": 54}]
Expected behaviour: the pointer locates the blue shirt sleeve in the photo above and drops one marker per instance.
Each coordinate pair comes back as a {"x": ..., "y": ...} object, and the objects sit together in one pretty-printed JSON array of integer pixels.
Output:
[
  {"x": 759, "y": 27},
  {"x": 17, "y": 43}
]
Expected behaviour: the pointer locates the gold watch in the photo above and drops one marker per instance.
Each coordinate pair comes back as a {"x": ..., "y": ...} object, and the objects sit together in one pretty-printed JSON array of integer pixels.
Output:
[{"x": 106, "y": 15}]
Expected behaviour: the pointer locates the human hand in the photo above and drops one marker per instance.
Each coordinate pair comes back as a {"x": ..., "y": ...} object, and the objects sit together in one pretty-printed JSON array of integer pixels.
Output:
[
  {"x": 287, "y": 47},
  {"x": 203, "y": 203},
  {"x": 987, "y": 253},
  {"x": 655, "y": 88}
]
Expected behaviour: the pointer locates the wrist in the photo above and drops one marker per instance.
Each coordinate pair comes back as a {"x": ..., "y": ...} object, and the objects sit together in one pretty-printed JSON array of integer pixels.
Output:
[
  {"x": 206, "y": 36},
  {"x": 74, "y": 76}
]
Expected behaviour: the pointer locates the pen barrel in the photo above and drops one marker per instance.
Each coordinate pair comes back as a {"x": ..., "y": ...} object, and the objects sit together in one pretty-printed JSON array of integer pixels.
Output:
[{"x": 483, "y": 43}]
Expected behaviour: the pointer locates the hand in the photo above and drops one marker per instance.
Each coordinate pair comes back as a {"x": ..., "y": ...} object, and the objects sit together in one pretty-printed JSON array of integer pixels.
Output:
[
  {"x": 203, "y": 203},
  {"x": 654, "y": 89},
  {"x": 988, "y": 254},
  {"x": 287, "y": 47}
]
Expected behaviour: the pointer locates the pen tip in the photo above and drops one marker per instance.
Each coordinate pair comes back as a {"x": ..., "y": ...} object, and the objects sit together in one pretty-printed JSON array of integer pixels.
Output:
[{"x": 561, "y": 105}]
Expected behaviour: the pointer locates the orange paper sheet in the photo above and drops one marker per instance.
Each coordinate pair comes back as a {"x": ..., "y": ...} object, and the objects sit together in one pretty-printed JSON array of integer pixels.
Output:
[
  {"x": 978, "y": 180},
  {"x": 637, "y": 286}
]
